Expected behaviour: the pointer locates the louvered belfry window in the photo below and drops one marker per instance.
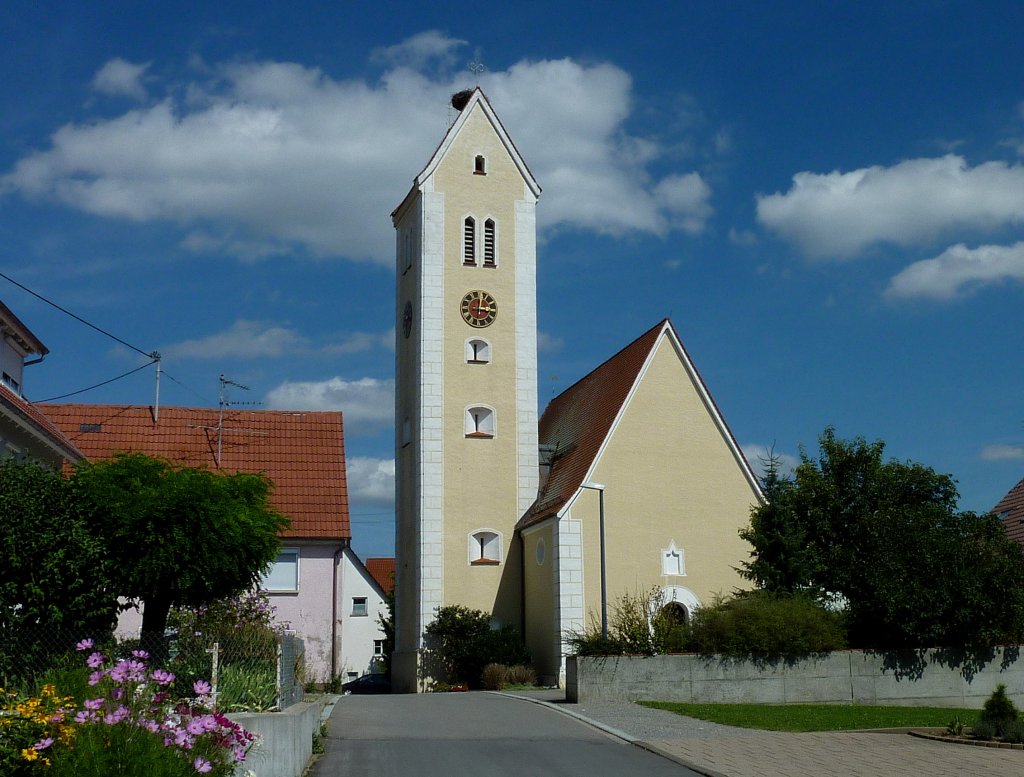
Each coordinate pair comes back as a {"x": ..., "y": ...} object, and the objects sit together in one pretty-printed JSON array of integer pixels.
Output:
[
  {"x": 469, "y": 241},
  {"x": 489, "y": 256}
]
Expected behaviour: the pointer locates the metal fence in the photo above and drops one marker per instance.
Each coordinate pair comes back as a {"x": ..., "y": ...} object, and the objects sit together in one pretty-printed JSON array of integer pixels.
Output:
[{"x": 250, "y": 669}]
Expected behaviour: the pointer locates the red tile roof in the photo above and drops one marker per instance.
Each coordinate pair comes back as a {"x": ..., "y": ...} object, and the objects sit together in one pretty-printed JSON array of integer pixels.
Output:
[
  {"x": 1011, "y": 510},
  {"x": 303, "y": 453},
  {"x": 31, "y": 416},
  {"x": 383, "y": 571},
  {"x": 577, "y": 422}
]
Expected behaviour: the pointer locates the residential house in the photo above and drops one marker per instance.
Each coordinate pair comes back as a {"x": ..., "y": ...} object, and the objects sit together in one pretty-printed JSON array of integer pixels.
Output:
[
  {"x": 303, "y": 454},
  {"x": 25, "y": 432},
  {"x": 1011, "y": 511}
]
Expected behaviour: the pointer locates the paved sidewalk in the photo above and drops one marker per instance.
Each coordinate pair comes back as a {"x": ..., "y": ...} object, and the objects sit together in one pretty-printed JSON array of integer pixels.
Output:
[{"x": 724, "y": 751}]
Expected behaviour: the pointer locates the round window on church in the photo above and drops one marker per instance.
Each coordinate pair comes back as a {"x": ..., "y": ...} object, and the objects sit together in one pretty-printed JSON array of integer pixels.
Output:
[{"x": 540, "y": 552}]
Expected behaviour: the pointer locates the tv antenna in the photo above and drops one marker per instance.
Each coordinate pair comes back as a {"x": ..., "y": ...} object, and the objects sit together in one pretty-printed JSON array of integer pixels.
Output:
[{"x": 222, "y": 401}]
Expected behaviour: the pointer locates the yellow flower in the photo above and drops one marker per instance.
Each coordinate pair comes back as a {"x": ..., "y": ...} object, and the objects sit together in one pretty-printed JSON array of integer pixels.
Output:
[{"x": 29, "y": 754}]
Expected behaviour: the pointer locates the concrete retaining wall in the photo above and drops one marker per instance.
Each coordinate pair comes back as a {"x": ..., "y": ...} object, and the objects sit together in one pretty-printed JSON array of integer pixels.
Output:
[
  {"x": 837, "y": 678},
  {"x": 286, "y": 739}
]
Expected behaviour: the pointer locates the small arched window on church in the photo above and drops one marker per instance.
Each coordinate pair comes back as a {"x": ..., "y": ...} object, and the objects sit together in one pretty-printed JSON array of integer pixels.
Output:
[
  {"x": 478, "y": 351},
  {"x": 484, "y": 548},
  {"x": 673, "y": 562},
  {"x": 479, "y": 165},
  {"x": 469, "y": 241},
  {"x": 480, "y": 422},
  {"x": 490, "y": 245}
]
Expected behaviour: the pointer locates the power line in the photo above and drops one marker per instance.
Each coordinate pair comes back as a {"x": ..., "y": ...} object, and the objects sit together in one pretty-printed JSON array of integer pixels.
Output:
[
  {"x": 104, "y": 383},
  {"x": 81, "y": 320}
]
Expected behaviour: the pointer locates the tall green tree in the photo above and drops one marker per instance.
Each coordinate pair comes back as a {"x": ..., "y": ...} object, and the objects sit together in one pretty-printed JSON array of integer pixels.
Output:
[
  {"x": 885, "y": 539},
  {"x": 176, "y": 535},
  {"x": 54, "y": 575}
]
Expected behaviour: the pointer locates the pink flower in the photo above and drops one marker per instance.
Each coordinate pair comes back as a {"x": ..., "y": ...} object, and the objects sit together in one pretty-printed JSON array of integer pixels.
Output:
[
  {"x": 95, "y": 677},
  {"x": 201, "y": 687},
  {"x": 202, "y": 765},
  {"x": 95, "y": 661},
  {"x": 93, "y": 704},
  {"x": 85, "y": 644},
  {"x": 162, "y": 677},
  {"x": 140, "y": 654},
  {"x": 42, "y": 744}
]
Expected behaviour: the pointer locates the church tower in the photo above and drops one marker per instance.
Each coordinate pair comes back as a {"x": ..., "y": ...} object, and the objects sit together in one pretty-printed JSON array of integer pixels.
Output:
[{"x": 466, "y": 380}]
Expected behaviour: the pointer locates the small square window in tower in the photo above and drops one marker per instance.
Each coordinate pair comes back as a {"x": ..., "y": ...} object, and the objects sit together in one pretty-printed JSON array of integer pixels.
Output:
[
  {"x": 469, "y": 241},
  {"x": 479, "y": 165},
  {"x": 478, "y": 351},
  {"x": 490, "y": 255}
]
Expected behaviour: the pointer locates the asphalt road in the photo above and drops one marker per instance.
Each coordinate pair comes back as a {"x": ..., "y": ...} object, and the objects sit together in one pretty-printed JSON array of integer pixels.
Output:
[{"x": 448, "y": 734}]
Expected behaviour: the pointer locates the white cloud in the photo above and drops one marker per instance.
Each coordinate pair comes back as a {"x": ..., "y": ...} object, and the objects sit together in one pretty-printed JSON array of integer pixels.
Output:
[
  {"x": 548, "y": 343},
  {"x": 1002, "y": 452},
  {"x": 368, "y": 403},
  {"x": 758, "y": 455},
  {"x": 958, "y": 270},
  {"x": 364, "y": 341},
  {"x": 118, "y": 77},
  {"x": 685, "y": 197},
  {"x": 371, "y": 481},
  {"x": 261, "y": 158},
  {"x": 420, "y": 51},
  {"x": 244, "y": 339},
  {"x": 911, "y": 203}
]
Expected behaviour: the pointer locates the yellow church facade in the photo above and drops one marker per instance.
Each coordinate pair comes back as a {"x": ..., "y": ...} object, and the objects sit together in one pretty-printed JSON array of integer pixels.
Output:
[{"x": 496, "y": 509}]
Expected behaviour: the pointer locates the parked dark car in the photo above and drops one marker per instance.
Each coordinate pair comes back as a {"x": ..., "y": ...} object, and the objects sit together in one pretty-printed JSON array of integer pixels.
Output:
[{"x": 375, "y": 682}]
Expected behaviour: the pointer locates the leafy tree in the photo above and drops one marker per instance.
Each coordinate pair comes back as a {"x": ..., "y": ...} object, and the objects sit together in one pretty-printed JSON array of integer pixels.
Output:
[
  {"x": 179, "y": 536},
  {"x": 54, "y": 579},
  {"x": 885, "y": 539}
]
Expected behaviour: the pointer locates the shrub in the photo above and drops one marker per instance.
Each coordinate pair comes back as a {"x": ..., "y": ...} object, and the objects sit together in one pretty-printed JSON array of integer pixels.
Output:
[
  {"x": 762, "y": 624},
  {"x": 461, "y": 642},
  {"x": 629, "y": 628},
  {"x": 494, "y": 677},
  {"x": 985, "y": 729},
  {"x": 521, "y": 675},
  {"x": 998, "y": 708},
  {"x": 1013, "y": 732}
]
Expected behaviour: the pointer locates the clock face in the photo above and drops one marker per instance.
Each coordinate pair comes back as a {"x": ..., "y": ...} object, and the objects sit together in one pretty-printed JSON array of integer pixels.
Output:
[
  {"x": 479, "y": 309},
  {"x": 407, "y": 319}
]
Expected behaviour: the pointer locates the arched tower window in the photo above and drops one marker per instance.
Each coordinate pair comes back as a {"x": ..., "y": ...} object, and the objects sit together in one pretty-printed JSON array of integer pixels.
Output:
[
  {"x": 490, "y": 246},
  {"x": 478, "y": 351},
  {"x": 484, "y": 548},
  {"x": 469, "y": 241},
  {"x": 479, "y": 165},
  {"x": 480, "y": 422}
]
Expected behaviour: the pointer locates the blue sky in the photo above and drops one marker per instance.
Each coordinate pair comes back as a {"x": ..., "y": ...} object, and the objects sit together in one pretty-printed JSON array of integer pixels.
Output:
[{"x": 827, "y": 200}]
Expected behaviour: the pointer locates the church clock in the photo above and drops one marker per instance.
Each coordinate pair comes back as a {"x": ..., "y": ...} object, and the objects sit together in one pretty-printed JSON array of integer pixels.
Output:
[{"x": 479, "y": 309}]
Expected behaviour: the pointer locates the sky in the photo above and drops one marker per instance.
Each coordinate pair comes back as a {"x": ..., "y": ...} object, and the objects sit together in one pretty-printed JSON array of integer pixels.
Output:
[{"x": 827, "y": 199}]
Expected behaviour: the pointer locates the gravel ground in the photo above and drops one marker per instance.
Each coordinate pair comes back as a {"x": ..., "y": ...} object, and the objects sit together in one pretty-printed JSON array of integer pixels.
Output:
[{"x": 636, "y": 721}]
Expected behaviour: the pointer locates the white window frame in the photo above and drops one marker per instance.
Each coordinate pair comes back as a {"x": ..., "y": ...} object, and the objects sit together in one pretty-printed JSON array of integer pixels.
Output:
[
  {"x": 673, "y": 561},
  {"x": 360, "y": 603},
  {"x": 271, "y": 582},
  {"x": 481, "y": 422},
  {"x": 478, "y": 351},
  {"x": 469, "y": 242},
  {"x": 493, "y": 233},
  {"x": 484, "y": 547}
]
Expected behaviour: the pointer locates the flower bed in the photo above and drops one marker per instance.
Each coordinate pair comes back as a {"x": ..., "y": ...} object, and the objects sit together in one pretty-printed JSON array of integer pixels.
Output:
[{"x": 131, "y": 721}]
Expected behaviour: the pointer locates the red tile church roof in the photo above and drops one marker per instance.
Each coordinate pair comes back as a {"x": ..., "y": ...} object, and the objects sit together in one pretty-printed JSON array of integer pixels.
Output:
[
  {"x": 1011, "y": 510},
  {"x": 303, "y": 453},
  {"x": 576, "y": 423},
  {"x": 578, "y": 420}
]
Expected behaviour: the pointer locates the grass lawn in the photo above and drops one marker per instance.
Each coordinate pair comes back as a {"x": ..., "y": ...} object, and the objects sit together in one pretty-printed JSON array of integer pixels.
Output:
[{"x": 817, "y": 717}]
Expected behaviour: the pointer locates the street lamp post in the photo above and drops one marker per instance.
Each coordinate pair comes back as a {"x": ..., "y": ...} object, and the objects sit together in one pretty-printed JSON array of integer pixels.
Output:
[{"x": 599, "y": 488}]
